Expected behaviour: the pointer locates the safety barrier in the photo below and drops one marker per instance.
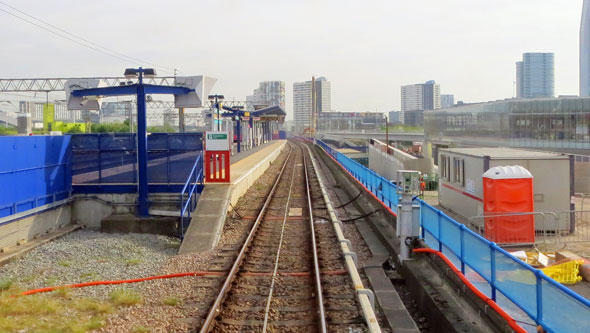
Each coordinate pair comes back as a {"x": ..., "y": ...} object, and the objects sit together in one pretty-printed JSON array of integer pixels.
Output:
[
  {"x": 513, "y": 284},
  {"x": 193, "y": 185}
]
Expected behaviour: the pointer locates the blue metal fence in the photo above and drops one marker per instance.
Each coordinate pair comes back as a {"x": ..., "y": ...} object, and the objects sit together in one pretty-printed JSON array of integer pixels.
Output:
[
  {"x": 34, "y": 171},
  {"x": 107, "y": 163},
  {"x": 516, "y": 286}
]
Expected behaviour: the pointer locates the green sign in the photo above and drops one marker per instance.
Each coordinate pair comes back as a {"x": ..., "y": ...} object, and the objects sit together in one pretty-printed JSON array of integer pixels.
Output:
[{"x": 222, "y": 136}]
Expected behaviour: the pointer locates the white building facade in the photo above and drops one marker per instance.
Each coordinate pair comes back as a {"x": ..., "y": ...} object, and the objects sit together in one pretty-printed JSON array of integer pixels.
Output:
[
  {"x": 447, "y": 101},
  {"x": 422, "y": 96},
  {"x": 268, "y": 93},
  {"x": 302, "y": 101}
]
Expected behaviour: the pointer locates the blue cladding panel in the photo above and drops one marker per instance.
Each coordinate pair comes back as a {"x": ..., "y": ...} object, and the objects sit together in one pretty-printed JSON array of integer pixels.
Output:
[
  {"x": 33, "y": 170},
  {"x": 430, "y": 220},
  {"x": 450, "y": 234},
  {"x": 563, "y": 312},
  {"x": 516, "y": 282},
  {"x": 477, "y": 255}
]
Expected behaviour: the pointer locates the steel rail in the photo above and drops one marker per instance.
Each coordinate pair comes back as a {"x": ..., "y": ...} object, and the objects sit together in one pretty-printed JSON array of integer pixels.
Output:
[
  {"x": 318, "y": 282},
  {"x": 365, "y": 296},
  {"x": 216, "y": 307},
  {"x": 278, "y": 254}
]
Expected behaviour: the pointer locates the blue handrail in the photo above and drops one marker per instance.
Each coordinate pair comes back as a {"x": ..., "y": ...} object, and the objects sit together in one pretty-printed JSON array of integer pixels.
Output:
[
  {"x": 194, "y": 179},
  {"x": 550, "y": 304}
]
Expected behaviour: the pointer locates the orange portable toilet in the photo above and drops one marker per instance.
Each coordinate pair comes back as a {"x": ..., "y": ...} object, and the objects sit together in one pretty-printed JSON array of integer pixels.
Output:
[{"x": 508, "y": 190}]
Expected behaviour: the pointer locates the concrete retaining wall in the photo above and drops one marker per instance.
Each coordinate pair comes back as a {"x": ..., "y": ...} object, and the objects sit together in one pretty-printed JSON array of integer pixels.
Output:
[
  {"x": 36, "y": 222},
  {"x": 90, "y": 210},
  {"x": 387, "y": 165}
]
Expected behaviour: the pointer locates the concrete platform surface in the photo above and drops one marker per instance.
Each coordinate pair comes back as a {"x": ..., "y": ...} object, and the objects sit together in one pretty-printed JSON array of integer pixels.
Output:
[{"x": 216, "y": 199}]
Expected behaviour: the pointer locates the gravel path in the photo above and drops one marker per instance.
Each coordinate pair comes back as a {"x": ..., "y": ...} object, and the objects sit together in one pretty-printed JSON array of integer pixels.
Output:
[{"x": 87, "y": 255}]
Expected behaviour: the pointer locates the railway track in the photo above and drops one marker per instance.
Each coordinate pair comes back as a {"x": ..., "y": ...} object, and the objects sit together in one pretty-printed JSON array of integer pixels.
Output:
[{"x": 289, "y": 274}]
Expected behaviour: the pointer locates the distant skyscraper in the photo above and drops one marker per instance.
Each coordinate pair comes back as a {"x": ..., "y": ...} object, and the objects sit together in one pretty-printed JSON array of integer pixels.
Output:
[
  {"x": 535, "y": 75},
  {"x": 324, "y": 94},
  {"x": 268, "y": 93},
  {"x": 447, "y": 101},
  {"x": 585, "y": 50},
  {"x": 423, "y": 96},
  {"x": 302, "y": 101},
  {"x": 396, "y": 117}
]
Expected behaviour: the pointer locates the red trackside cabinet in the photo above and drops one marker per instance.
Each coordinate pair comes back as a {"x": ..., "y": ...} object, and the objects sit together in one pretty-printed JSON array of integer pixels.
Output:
[{"x": 508, "y": 190}]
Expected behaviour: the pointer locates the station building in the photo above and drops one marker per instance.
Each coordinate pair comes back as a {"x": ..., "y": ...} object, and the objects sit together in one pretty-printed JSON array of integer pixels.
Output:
[
  {"x": 554, "y": 124},
  {"x": 549, "y": 124}
]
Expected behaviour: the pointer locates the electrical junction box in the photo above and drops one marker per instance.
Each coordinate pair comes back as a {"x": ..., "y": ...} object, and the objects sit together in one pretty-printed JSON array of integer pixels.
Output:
[
  {"x": 408, "y": 182},
  {"x": 217, "y": 140},
  {"x": 412, "y": 230}
]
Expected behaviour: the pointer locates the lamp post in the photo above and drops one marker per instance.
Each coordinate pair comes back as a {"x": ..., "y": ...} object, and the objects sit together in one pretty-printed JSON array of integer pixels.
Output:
[{"x": 217, "y": 99}]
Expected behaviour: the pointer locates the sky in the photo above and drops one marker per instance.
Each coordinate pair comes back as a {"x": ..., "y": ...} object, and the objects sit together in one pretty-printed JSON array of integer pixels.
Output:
[{"x": 366, "y": 49}]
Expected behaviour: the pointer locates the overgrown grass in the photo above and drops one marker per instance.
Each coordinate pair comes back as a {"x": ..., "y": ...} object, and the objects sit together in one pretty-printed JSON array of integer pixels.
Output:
[
  {"x": 50, "y": 312},
  {"x": 141, "y": 329},
  {"x": 5, "y": 284},
  {"x": 92, "y": 306},
  {"x": 172, "y": 301},
  {"x": 57, "y": 311},
  {"x": 89, "y": 276},
  {"x": 133, "y": 262},
  {"x": 64, "y": 263},
  {"x": 125, "y": 297},
  {"x": 62, "y": 292}
]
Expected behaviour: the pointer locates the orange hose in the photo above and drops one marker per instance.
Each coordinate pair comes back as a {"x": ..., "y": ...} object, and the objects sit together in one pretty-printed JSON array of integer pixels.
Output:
[
  {"x": 511, "y": 322},
  {"x": 98, "y": 283}
]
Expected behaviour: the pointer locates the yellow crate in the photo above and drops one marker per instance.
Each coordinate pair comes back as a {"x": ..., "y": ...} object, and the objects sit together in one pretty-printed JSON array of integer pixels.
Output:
[{"x": 565, "y": 273}]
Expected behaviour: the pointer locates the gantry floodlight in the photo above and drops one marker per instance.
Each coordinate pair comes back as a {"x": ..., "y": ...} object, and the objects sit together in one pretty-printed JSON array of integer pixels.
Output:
[
  {"x": 149, "y": 72},
  {"x": 130, "y": 73},
  {"x": 218, "y": 97}
]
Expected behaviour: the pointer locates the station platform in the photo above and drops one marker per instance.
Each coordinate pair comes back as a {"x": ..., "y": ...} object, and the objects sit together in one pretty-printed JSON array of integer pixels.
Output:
[{"x": 216, "y": 199}]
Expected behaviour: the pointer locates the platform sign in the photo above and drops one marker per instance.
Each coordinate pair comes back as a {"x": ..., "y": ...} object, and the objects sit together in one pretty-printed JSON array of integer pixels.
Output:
[{"x": 217, "y": 140}]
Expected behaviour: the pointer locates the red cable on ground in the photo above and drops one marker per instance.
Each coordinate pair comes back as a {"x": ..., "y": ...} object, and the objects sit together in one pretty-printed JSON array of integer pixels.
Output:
[
  {"x": 511, "y": 322},
  {"x": 98, "y": 283}
]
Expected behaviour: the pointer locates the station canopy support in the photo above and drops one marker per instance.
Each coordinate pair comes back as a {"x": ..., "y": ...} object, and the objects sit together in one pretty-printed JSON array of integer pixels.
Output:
[{"x": 188, "y": 92}]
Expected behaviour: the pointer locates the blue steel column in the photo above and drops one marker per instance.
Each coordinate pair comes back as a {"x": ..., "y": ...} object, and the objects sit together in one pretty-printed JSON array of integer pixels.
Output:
[
  {"x": 251, "y": 124},
  {"x": 239, "y": 131},
  {"x": 142, "y": 150}
]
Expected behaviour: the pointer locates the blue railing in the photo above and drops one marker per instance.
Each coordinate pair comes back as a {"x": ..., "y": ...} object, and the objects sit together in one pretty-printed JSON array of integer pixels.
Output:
[
  {"x": 523, "y": 291},
  {"x": 193, "y": 185}
]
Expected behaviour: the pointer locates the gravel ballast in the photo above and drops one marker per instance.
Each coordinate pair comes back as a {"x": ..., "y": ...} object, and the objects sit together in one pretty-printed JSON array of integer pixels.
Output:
[{"x": 86, "y": 255}]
